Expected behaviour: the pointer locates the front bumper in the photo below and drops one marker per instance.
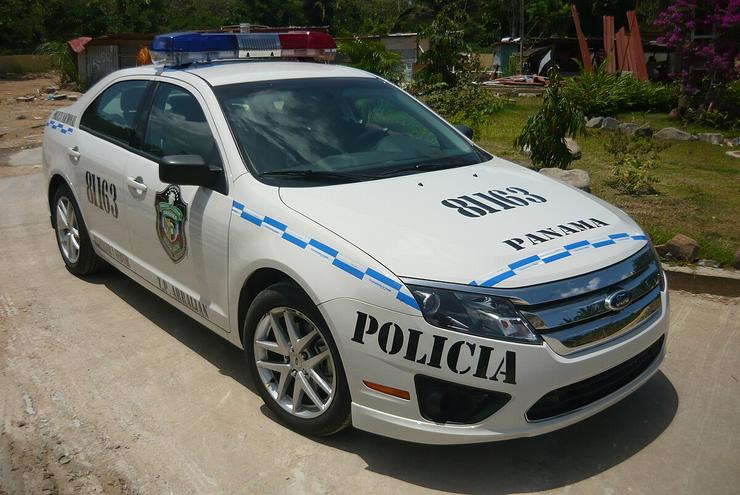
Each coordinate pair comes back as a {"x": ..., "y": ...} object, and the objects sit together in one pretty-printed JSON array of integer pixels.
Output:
[{"x": 390, "y": 348}]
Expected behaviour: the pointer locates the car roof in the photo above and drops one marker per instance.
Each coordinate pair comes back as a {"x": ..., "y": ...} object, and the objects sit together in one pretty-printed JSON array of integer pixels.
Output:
[{"x": 232, "y": 72}]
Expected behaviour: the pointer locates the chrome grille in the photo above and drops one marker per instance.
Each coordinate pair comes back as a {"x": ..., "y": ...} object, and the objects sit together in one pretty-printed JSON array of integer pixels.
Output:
[{"x": 572, "y": 315}]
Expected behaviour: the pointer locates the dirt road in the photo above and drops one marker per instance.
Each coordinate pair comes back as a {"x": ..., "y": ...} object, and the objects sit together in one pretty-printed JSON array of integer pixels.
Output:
[{"x": 104, "y": 388}]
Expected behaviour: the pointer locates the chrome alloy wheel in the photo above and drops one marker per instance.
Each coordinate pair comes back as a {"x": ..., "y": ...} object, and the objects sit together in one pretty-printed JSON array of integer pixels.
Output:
[
  {"x": 68, "y": 233},
  {"x": 294, "y": 363}
]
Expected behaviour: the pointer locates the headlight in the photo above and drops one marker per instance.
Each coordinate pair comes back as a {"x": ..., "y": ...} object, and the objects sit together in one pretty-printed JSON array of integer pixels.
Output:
[{"x": 477, "y": 314}]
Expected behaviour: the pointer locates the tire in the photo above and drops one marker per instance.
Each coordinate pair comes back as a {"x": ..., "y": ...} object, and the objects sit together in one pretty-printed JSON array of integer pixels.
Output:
[
  {"x": 81, "y": 260},
  {"x": 312, "y": 357}
]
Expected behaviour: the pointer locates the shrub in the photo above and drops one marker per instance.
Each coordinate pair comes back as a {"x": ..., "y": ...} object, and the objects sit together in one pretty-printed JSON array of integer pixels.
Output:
[
  {"x": 599, "y": 93},
  {"x": 62, "y": 60},
  {"x": 468, "y": 104},
  {"x": 633, "y": 159},
  {"x": 545, "y": 131},
  {"x": 373, "y": 57}
]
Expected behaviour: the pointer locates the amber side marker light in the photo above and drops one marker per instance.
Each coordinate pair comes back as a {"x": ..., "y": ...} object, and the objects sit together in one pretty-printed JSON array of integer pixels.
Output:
[{"x": 395, "y": 392}]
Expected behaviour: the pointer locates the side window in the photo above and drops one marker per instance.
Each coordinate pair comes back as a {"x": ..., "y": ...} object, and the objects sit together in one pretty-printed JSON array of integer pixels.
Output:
[
  {"x": 113, "y": 113},
  {"x": 177, "y": 126}
]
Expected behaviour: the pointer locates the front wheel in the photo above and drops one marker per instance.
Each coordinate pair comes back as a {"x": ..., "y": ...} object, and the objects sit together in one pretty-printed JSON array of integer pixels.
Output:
[
  {"x": 294, "y": 362},
  {"x": 71, "y": 233}
]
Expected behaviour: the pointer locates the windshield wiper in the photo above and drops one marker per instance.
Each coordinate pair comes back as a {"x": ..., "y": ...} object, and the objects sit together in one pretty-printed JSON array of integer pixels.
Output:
[
  {"x": 316, "y": 174},
  {"x": 427, "y": 166}
]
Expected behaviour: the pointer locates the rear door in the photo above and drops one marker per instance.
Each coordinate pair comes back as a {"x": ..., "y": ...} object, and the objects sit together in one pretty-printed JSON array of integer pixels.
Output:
[
  {"x": 179, "y": 233},
  {"x": 104, "y": 146}
]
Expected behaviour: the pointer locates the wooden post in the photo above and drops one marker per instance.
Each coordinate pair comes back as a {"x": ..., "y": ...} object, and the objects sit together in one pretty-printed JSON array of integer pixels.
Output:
[
  {"x": 609, "y": 44},
  {"x": 639, "y": 64},
  {"x": 622, "y": 46},
  {"x": 585, "y": 55}
]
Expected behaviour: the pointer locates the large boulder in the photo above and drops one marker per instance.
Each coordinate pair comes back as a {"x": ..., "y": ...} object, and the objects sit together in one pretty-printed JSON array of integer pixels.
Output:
[
  {"x": 574, "y": 177},
  {"x": 645, "y": 130},
  {"x": 673, "y": 134},
  {"x": 711, "y": 137},
  {"x": 627, "y": 128},
  {"x": 595, "y": 122},
  {"x": 610, "y": 124},
  {"x": 681, "y": 247}
]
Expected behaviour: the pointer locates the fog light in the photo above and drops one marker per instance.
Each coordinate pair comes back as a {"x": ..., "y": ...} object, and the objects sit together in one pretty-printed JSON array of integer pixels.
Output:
[{"x": 445, "y": 402}]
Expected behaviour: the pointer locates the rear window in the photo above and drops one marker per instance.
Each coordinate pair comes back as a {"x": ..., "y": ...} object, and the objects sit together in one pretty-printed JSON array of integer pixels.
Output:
[{"x": 113, "y": 113}]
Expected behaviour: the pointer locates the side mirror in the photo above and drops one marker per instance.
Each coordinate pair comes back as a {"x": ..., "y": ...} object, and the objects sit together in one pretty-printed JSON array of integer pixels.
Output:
[
  {"x": 466, "y": 130},
  {"x": 188, "y": 170}
]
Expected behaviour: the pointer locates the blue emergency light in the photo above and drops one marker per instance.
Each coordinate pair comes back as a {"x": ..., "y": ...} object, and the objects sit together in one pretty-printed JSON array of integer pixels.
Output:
[{"x": 174, "y": 49}]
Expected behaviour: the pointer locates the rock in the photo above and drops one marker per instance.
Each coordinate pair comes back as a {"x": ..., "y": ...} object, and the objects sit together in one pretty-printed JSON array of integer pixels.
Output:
[
  {"x": 736, "y": 264},
  {"x": 59, "y": 96},
  {"x": 72, "y": 97},
  {"x": 595, "y": 122},
  {"x": 674, "y": 114},
  {"x": 681, "y": 247},
  {"x": 575, "y": 177},
  {"x": 645, "y": 130},
  {"x": 25, "y": 98},
  {"x": 52, "y": 89},
  {"x": 671, "y": 133},
  {"x": 733, "y": 154},
  {"x": 20, "y": 116},
  {"x": 627, "y": 128},
  {"x": 734, "y": 142},
  {"x": 711, "y": 137},
  {"x": 709, "y": 263},
  {"x": 610, "y": 123},
  {"x": 573, "y": 147}
]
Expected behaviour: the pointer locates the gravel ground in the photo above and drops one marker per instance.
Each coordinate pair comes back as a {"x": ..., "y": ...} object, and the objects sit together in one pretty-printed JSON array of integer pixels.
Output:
[{"x": 105, "y": 389}]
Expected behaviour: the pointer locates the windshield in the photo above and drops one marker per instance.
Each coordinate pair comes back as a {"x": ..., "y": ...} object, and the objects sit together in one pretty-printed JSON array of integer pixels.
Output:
[{"x": 338, "y": 129}]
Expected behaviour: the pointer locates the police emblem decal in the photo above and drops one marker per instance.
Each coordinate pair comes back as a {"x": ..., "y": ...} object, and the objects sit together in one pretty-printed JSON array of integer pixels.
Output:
[{"x": 172, "y": 213}]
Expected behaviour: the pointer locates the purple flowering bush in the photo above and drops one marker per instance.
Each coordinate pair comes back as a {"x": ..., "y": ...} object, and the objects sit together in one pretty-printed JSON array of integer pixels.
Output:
[{"x": 711, "y": 65}]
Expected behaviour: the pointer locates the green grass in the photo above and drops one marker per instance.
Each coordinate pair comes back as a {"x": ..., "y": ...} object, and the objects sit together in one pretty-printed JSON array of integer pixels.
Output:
[{"x": 698, "y": 189}]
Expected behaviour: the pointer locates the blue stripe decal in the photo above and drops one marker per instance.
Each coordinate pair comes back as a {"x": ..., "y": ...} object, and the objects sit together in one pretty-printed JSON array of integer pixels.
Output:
[
  {"x": 348, "y": 268},
  {"x": 58, "y": 126},
  {"x": 376, "y": 278},
  {"x": 275, "y": 223},
  {"x": 525, "y": 261},
  {"x": 599, "y": 244},
  {"x": 382, "y": 278},
  {"x": 406, "y": 299},
  {"x": 556, "y": 257},
  {"x": 566, "y": 251},
  {"x": 576, "y": 245},
  {"x": 298, "y": 242},
  {"x": 253, "y": 219},
  {"x": 498, "y": 278},
  {"x": 323, "y": 247}
]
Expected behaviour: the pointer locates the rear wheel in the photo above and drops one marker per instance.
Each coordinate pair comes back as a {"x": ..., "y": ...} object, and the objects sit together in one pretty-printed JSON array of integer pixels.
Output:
[
  {"x": 294, "y": 362},
  {"x": 71, "y": 233}
]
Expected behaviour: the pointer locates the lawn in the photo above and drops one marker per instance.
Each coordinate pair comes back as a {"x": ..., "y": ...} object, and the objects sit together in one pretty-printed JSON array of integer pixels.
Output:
[{"x": 698, "y": 190}]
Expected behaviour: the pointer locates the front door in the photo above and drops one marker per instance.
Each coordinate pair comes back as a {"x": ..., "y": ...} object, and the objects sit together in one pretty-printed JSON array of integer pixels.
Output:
[
  {"x": 179, "y": 234},
  {"x": 102, "y": 146}
]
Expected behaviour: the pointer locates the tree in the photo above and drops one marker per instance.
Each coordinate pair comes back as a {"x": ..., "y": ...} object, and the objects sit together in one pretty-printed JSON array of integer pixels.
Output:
[
  {"x": 373, "y": 57},
  {"x": 446, "y": 50},
  {"x": 545, "y": 132}
]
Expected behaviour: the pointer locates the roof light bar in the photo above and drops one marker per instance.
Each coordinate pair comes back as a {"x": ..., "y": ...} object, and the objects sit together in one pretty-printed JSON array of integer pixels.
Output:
[{"x": 173, "y": 49}]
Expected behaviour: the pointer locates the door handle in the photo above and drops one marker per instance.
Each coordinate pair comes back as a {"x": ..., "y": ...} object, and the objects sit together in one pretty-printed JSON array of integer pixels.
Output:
[
  {"x": 74, "y": 153},
  {"x": 136, "y": 183}
]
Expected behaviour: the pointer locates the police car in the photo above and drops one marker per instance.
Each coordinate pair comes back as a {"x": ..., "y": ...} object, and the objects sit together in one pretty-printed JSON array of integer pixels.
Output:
[{"x": 377, "y": 267}]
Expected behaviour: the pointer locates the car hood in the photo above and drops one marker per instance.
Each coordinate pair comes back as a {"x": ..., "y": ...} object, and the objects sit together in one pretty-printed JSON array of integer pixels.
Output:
[{"x": 494, "y": 224}]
